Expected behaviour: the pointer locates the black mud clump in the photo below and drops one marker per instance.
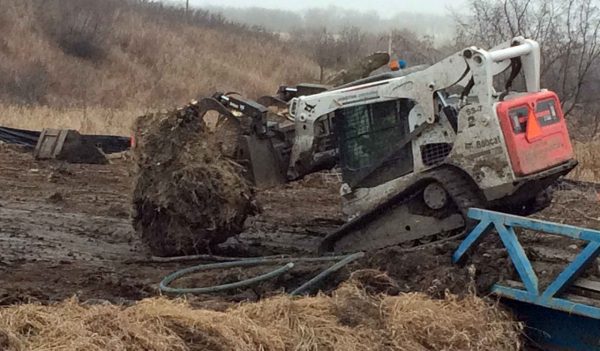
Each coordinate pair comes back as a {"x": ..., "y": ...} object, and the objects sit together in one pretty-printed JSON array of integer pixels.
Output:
[
  {"x": 430, "y": 269},
  {"x": 187, "y": 196},
  {"x": 77, "y": 149}
]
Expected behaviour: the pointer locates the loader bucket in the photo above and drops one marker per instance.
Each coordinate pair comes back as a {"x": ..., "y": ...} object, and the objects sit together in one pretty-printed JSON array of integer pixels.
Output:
[{"x": 260, "y": 159}]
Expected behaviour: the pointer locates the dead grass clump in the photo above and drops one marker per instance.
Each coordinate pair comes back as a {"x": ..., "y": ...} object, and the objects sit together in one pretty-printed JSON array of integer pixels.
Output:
[
  {"x": 77, "y": 27},
  {"x": 26, "y": 83},
  {"x": 588, "y": 155},
  {"x": 405, "y": 322},
  {"x": 187, "y": 196},
  {"x": 455, "y": 324}
]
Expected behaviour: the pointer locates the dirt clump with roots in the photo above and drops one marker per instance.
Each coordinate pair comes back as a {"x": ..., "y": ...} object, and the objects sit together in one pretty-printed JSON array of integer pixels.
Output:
[{"x": 187, "y": 196}]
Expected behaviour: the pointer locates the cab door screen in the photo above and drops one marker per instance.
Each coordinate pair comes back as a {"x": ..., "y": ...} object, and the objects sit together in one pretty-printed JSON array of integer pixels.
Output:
[{"x": 367, "y": 135}]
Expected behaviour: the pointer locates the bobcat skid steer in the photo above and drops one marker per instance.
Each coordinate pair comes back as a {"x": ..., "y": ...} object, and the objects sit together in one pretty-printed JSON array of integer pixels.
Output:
[{"x": 414, "y": 157}]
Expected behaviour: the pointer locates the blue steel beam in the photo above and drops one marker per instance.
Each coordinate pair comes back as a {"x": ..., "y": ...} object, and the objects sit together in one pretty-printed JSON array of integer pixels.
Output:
[
  {"x": 573, "y": 270},
  {"x": 537, "y": 225},
  {"x": 474, "y": 237},
  {"x": 518, "y": 257},
  {"x": 554, "y": 302}
]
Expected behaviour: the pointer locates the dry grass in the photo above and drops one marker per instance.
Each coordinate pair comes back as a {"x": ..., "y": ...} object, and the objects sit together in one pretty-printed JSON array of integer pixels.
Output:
[
  {"x": 349, "y": 320},
  {"x": 118, "y": 54},
  {"x": 97, "y": 65},
  {"x": 95, "y": 120},
  {"x": 588, "y": 155}
]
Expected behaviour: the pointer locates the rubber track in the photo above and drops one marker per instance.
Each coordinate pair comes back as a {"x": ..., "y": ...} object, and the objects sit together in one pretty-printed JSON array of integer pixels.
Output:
[{"x": 461, "y": 190}]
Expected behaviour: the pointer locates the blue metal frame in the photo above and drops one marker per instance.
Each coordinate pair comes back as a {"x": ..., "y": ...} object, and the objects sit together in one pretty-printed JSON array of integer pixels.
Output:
[
  {"x": 504, "y": 224},
  {"x": 550, "y": 329},
  {"x": 554, "y": 322}
]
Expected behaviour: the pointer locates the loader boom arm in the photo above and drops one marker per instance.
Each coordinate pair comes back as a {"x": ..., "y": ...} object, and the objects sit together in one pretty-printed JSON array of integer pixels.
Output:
[{"x": 471, "y": 64}]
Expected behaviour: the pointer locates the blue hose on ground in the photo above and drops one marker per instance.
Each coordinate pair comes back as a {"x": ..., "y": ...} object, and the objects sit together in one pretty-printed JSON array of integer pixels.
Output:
[{"x": 304, "y": 288}]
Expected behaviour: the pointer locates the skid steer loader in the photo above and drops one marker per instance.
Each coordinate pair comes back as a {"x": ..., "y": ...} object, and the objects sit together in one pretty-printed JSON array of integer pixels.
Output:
[{"x": 413, "y": 156}]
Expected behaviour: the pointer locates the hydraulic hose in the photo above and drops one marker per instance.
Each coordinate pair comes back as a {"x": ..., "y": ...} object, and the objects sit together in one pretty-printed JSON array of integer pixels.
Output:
[
  {"x": 304, "y": 288},
  {"x": 309, "y": 284},
  {"x": 164, "y": 285}
]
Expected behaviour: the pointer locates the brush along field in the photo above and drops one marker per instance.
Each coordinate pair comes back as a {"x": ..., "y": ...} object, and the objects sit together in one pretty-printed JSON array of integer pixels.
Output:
[
  {"x": 588, "y": 155},
  {"x": 103, "y": 121}
]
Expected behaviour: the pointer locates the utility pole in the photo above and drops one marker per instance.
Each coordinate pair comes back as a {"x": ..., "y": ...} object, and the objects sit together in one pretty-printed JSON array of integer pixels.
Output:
[{"x": 187, "y": 7}]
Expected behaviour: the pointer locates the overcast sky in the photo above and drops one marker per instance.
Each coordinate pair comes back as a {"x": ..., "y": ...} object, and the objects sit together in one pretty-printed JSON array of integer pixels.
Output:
[{"x": 384, "y": 8}]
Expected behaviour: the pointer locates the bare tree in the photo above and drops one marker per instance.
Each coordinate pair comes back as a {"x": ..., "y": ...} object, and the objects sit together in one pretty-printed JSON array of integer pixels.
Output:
[
  {"x": 324, "y": 51},
  {"x": 406, "y": 45},
  {"x": 568, "y": 32},
  {"x": 351, "y": 45}
]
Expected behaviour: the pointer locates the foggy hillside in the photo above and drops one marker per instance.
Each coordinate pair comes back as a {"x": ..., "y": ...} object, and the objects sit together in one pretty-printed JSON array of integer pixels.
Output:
[{"x": 336, "y": 18}]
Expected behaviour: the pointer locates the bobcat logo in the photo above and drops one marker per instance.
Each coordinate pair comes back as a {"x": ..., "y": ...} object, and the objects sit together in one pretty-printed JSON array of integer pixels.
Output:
[{"x": 309, "y": 108}]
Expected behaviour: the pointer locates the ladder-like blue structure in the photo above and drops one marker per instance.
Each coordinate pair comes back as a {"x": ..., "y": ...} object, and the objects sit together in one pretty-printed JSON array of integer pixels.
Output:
[{"x": 555, "y": 318}]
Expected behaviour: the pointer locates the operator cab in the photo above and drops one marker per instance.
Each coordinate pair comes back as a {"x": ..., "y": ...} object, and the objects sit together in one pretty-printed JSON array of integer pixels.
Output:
[{"x": 373, "y": 142}]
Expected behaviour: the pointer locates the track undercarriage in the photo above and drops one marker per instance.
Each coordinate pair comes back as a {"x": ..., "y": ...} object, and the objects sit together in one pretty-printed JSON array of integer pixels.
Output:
[{"x": 433, "y": 209}]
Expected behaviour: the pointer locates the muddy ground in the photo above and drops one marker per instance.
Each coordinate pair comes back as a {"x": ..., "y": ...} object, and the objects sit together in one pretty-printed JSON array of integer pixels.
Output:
[{"x": 65, "y": 231}]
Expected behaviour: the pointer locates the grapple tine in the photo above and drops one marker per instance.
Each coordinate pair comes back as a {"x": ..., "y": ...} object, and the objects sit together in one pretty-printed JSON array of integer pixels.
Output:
[{"x": 211, "y": 104}]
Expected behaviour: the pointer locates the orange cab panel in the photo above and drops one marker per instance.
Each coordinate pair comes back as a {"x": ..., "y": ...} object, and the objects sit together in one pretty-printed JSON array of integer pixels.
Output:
[{"x": 535, "y": 132}]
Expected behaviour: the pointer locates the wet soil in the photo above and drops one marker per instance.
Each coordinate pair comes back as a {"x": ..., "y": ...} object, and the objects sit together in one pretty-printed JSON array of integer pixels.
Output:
[{"x": 66, "y": 231}]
